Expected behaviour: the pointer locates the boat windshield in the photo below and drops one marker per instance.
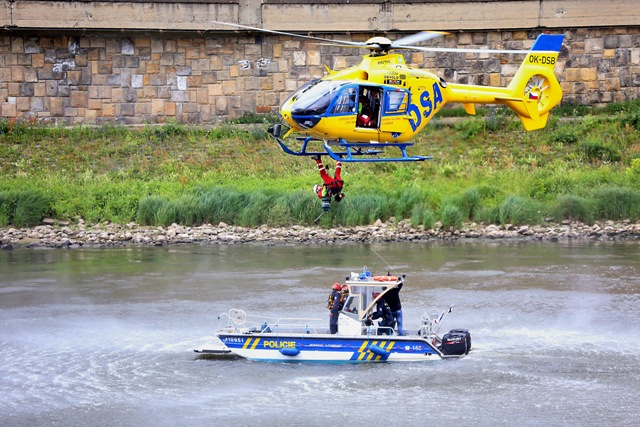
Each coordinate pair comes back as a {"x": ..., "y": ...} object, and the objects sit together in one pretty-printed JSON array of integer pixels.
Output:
[
  {"x": 315, "y": 99},
  {"x": 363, "y": 296}
]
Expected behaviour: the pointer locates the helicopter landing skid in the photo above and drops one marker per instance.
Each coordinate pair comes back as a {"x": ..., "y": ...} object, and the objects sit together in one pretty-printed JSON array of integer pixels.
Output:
[{"x": 354, "y": 150}]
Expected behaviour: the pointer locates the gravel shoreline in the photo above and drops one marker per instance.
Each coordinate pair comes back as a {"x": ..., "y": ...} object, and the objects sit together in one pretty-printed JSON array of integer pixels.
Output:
[{"x": 62, "y": 234}]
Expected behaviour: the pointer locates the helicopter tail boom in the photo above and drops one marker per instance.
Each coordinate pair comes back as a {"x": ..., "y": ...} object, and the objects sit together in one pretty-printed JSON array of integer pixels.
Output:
[{"x": 533, "y": 91}]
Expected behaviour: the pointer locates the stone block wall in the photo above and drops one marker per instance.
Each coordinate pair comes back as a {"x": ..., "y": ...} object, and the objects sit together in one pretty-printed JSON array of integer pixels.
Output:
[{"x": 151, "y": 77}]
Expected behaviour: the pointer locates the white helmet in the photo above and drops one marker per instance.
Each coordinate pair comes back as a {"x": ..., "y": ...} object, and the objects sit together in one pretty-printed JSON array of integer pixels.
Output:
[{"x": 317, "y": 188}]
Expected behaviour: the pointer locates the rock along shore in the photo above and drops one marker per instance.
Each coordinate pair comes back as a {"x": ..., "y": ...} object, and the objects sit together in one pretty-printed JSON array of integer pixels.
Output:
[{"x": 62, "y": 234}]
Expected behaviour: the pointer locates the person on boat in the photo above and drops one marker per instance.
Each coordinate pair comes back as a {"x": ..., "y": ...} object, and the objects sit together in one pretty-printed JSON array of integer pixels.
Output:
[
  {"x": 344, "y": 293},
  {"x": 392, "y": 297},
  {"x": 383, "y": 312},
  {"x": 331, "y": 187},
  {"x": 334, "y": 307}
]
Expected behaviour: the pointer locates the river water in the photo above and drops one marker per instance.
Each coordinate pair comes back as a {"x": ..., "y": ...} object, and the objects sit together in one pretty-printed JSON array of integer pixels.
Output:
[{"x": 106, "y": 336}]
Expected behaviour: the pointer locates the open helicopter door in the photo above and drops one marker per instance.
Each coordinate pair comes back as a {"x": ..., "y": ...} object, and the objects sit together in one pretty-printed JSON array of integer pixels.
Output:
[{"x": 369, "y": 103}]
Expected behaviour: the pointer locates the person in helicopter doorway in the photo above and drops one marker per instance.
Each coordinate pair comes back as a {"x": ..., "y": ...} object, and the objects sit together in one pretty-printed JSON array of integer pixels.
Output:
[
  {"x": 383, "y": 312},
  {"x": 334, "y": 307},
  {"x": 364, "y": 119},
  {"x": 331, "y": 187},
  {"x": 392, "y": 297},
  {"x": 368, "y": 108}
]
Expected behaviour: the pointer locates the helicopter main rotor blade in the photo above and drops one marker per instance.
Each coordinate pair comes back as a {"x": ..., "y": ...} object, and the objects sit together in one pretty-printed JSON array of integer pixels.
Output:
[
  {"x": 403, "y": 43},
  {"x": 356, "y": 46},
  {"x": 283, "y": 33},
  {"x": 463, "y": 50},
  {"x": 418, "y": 37}
]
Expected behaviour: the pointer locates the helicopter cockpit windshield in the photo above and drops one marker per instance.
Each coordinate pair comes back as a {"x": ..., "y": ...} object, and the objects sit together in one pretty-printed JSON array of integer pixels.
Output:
[{"x": 314, "y": 100}]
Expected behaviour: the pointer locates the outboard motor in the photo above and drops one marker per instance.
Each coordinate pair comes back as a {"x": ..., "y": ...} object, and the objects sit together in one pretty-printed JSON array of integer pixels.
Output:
[
  {"x": 468, "y": 335},
  {"x": 455, "y": 343}
]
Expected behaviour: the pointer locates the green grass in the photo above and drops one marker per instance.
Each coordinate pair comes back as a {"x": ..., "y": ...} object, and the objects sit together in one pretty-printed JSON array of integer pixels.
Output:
[
  {"x": 23, "y": 208},
  {"x": 585, "y": 165}
]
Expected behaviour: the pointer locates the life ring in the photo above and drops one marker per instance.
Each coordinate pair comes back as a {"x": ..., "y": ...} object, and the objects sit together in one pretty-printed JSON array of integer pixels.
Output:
[{"x": 385, "y": 278}]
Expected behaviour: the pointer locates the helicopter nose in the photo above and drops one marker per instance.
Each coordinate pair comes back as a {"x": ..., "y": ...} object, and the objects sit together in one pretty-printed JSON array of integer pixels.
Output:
[
  {"x": 285, "y": 113},
  {"x": 297, "y": 119},
  {"x": 306, "y": 122}
]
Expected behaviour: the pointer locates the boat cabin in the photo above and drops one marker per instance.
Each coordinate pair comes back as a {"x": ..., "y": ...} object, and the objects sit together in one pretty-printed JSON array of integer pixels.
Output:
[{"x": 364, "y": 292}]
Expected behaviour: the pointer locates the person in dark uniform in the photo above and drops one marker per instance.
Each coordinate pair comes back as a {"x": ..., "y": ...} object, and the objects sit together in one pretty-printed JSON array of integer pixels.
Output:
[
  {"x": 392, "y": 297},
  {"x": 335, "y": 308},
  {"x": 383, "y": 312}
]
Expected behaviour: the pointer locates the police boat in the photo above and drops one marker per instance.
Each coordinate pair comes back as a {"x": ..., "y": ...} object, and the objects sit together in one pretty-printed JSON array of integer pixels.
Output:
[{"x": 359, "y": 339}]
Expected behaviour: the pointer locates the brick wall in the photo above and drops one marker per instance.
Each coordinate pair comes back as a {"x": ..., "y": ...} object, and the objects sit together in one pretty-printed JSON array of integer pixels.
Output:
[{"x": 152, "y": 77}]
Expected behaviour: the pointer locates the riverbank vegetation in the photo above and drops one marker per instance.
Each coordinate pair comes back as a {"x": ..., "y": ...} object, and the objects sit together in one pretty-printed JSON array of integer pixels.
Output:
[{"x": 585, "y": 166}]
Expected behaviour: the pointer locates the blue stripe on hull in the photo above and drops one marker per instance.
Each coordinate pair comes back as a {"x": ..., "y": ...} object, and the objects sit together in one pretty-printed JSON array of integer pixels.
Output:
[{"x": 329, "y": 348}]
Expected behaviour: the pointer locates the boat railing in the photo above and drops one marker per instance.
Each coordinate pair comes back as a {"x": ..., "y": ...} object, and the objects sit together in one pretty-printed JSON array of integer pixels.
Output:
[
  {"x": 377, "y": 330},
  {"x": 297, "y": 325},
  {"x": 239, "y": 321}
]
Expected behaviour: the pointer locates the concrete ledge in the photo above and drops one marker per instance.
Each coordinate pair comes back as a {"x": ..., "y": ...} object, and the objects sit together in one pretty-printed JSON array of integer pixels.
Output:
[
  {"x": 401, "y": 16},
  {"x": 321, "y": 15},
  {"x": 5, "y": 13},
  {"x": 589, "y": 13},
  {"x": 447, "y": 15},
  {"x": 119, "y": 15}
]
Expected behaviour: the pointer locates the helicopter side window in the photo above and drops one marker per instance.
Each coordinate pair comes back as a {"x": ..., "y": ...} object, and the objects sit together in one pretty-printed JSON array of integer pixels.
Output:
[
  {"x": 346, "y": 102},
  {"x": 397, "y": 102}
]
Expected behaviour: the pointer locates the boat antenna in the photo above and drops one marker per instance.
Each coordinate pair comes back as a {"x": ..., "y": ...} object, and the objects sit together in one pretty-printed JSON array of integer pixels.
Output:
[
  {"x": 385, "y": 261},
  {"x": 441, "y": 318}
]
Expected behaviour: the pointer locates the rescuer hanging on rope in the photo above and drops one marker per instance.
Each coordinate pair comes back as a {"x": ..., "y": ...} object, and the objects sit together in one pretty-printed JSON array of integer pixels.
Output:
[{"x": 331, "y": 187}]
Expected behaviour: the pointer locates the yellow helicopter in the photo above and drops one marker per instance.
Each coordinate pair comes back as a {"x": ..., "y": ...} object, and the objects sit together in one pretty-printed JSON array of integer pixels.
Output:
[{"x": 383, "y": 103}]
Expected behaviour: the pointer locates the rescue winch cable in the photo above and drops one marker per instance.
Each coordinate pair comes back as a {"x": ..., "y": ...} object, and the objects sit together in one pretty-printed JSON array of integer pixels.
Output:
[{"x": 385, "y": 261}]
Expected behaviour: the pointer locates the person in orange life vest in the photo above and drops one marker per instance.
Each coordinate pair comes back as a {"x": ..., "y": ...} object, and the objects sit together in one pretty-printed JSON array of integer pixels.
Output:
[
  {"x": 345, "y": 290},
  {"x": 331, "y": 186},
  {"x": 335, "y": 308}
]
